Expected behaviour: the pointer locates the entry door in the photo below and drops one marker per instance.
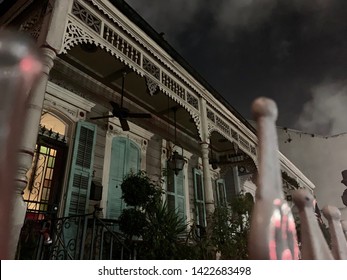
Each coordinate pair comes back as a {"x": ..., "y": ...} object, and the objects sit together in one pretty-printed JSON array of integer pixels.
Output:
[
  {"x": 45, "y": 179},
  {"x": 42, "y": 194},
  {"x": 125, "y": 158}
]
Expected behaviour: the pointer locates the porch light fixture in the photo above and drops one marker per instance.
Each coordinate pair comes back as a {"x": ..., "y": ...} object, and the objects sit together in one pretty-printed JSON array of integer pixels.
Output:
[{"x": 176, "y": 161}]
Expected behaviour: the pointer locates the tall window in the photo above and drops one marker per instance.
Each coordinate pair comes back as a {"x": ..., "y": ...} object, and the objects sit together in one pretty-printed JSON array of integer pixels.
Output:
[
  {"x": 199, "y": 198},
  {"x": 125, "y": 158},
  {"x": 175, "y": 193}
]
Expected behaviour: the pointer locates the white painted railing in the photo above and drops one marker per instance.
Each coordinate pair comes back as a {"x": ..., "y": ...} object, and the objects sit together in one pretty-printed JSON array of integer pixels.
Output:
[{"x": 273, "y": 232}]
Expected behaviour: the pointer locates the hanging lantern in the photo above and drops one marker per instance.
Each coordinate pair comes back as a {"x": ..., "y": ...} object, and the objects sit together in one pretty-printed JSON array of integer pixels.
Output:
[{"x": 176, "y": 162}]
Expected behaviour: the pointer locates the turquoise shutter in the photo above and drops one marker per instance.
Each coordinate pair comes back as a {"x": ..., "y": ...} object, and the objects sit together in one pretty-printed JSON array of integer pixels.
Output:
[
  {"x": 180, "y": 201},
  {"x": 175, "y": 193},
  {"x": 117, "y": 171},
  {"x": 77, "y": 198},
  {"x": 81, "y": 169},
  {"x": 125, "y": 157},
  {"x": 133, "y": 157},
  {"x": 199, "y": 198}
]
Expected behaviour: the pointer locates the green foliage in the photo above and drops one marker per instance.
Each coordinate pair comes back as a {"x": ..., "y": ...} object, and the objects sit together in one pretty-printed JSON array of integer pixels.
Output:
[
  {"x": 231, "y": 226},
  {"x": 161, "y": 238},
  {"x": 162, "y": 233},
  {"x": 227, "y": 234},
  {"x": 139, "y": 191},
  {"x": 158, "y": 229},
  {"x": 132, "y": 222}
]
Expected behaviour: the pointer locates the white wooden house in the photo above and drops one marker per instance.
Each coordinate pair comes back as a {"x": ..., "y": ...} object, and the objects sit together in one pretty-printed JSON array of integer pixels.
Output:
[{"x": 71, "y": 163}]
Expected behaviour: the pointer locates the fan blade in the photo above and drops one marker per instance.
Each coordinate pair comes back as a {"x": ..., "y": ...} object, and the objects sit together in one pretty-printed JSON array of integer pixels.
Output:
[
  {"x": 102, "y": 117},
  {"x": 124, "y": 124},
  {"x": 139, "y": 115}
]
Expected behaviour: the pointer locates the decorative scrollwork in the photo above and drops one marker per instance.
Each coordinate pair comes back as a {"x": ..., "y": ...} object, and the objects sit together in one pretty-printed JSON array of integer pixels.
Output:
[
  {"x": 75, "y": 35},
  {"x": 86, "y": 17},
  {"x": 33, "y": 24},
  {"x": 152, "y": 86},
  {"x": 151, "y": 68},
  {"x": 192, "y": 100}
]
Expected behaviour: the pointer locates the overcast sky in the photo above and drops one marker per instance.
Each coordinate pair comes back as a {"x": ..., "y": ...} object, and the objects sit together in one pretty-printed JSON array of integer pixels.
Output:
[{"x": 293, "y": 51}]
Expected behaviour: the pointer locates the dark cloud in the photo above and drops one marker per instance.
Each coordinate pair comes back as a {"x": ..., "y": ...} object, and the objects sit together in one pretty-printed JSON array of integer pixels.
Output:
[
  {"x": 290, "y": 51},
  {"x": 326, "y": 111}
]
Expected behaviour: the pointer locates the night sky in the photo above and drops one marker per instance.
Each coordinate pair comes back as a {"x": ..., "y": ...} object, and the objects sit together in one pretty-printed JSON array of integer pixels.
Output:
[{"x": 294, "y": 52}]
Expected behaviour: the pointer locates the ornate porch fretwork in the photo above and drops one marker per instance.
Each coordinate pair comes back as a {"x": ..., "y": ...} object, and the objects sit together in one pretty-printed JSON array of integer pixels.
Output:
[
  {"x": 151, "y": 68},
  {"x": 86, "y": 16},
  {"x": 225, "y": 128},
  {"x": 33, "y": 23},
  {"x": 192, "y": 100},
  {"x": 111, "y": 15},
  {"x": 248, "y": 149},
  {"x": 152, "y": 85},
  {"x": 230, "y": 133},
  {"x": 76, "y": 34},
  {"x": 129, "y": 46},
  {"x": 126, "y": 48},
  {"x": 194, "y": 113}
]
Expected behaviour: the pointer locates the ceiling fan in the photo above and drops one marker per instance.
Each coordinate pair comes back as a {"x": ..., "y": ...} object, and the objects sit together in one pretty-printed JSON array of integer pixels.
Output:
[{"x": 118, "y": 111}]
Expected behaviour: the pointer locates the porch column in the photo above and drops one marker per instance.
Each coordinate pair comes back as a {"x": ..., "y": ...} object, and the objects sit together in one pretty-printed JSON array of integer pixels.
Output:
[
  {"x": 209, "y": 200},
  {"x": 27, "y": 146}
]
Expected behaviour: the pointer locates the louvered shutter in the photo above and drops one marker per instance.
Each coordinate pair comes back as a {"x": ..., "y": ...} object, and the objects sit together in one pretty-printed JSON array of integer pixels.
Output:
[
  {"x": 170, "y": 190},
  {"x": 125, "y": 156},
  {"x": 180, "y": 200},
  {"x": 199, "y": 198},
  {"x": 175, "y": 193},
  {"x": 81, "y": 169},
  {"x": 133, "y": 158},
  {"x": 117, "y": 171},
  {"x": 77, "y": 198}
]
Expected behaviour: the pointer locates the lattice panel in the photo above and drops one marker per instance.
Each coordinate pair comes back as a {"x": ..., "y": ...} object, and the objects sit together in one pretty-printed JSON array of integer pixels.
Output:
[{"x": 86, "y": 16}]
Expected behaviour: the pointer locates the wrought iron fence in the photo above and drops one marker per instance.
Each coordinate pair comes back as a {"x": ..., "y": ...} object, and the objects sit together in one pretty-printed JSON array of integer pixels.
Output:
[{"x": 72, "y": 238}]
